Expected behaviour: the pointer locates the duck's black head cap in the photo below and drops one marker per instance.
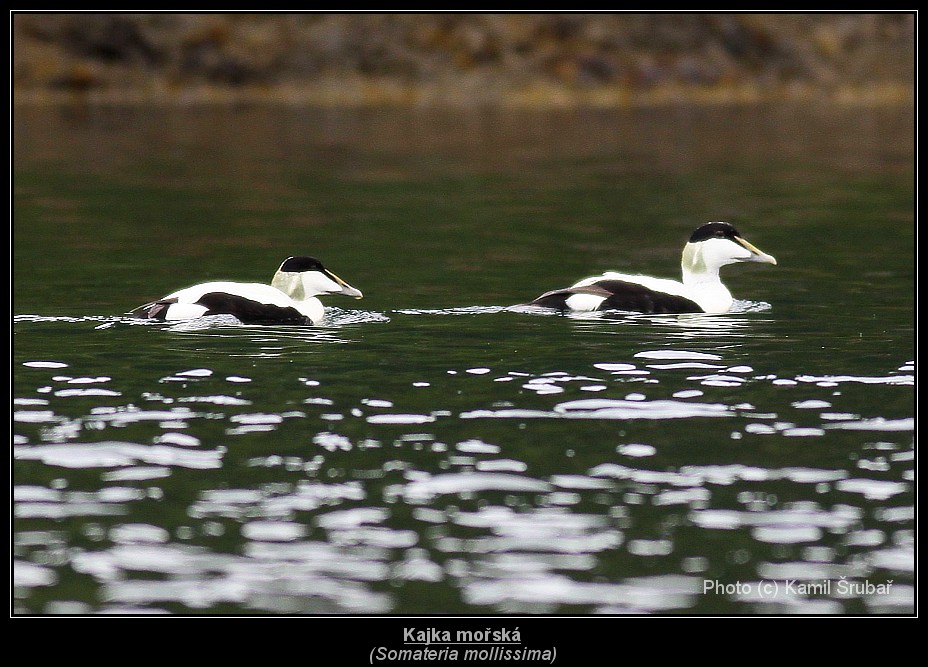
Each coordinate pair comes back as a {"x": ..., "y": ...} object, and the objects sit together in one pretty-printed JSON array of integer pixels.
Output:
[
  {"x": 300, "y": 264},
  {"x": 718, "y": 230}
]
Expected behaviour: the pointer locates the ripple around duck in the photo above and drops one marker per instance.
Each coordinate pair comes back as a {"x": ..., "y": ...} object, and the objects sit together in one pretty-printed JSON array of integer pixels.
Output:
[
  {"x": 336, "y": 321},
  {"x": 687, "y": 325},
  {"x": 463, "y": 310},
  {"x": 225, "y": 326}
]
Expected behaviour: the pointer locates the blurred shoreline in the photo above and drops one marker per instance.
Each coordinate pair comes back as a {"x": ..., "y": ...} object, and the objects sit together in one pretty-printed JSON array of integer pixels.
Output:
[
  {"x": 519, "y": 61},
  {"x": 392, "y": 94}
]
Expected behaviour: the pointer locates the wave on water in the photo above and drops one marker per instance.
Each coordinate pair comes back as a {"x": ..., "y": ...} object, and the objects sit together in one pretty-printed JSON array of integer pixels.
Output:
[
  {"x": 335, "y": 317},
  {"x": 462, "y": 310},
  {"x": 738, "y": 307},
  {"x": 610, "y": 409}
]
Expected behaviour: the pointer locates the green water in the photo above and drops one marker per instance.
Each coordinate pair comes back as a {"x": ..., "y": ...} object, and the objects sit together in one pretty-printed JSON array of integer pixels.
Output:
[{"x": 434, "y": 448}]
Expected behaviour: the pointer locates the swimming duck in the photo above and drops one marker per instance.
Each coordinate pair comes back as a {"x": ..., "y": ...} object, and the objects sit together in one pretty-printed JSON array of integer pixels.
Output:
[
  {"x": 710, "y": 247},
  {"x": 289, "y": 299}
]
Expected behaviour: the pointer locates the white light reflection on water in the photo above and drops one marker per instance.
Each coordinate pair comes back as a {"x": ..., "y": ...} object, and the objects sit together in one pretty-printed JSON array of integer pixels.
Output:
[
  {"x": 542, "y": 593},
  {"x": 280, "y": 576},
  {"x": 327, "y": 533},
  {"x": 611, "y": 409},
  {"x": 423, "y": 490},
  {"x": 802, "y": 516},
  {"x": 635, "y": 409},
  {"x": 553, "y": 531},
  {"x": 875, "y": 424},
  {"x": 39, "y": 502},
  {"x": 114, "y": 454}
]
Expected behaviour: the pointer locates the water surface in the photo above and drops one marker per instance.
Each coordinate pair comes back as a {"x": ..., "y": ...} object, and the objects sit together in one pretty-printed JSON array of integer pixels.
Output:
[{"x": 436, "y": 447}]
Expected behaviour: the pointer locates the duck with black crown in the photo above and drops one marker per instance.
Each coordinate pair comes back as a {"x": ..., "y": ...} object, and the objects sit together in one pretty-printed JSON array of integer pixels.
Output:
[
  {"x": 709, "y": 248},
  {"x": 291, "y": 298}
]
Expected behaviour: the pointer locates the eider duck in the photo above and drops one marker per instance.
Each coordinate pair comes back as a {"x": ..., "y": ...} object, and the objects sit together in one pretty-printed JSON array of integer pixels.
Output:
[
  {"x": 710, "y": 247},
  {"x": 289, "y": 299}
]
